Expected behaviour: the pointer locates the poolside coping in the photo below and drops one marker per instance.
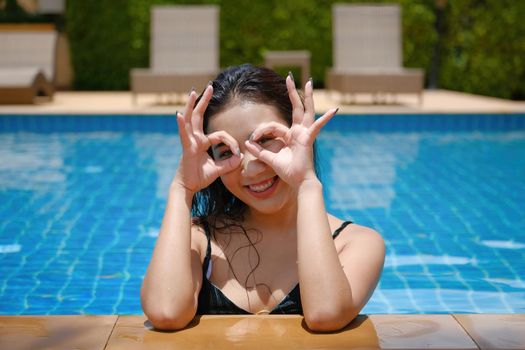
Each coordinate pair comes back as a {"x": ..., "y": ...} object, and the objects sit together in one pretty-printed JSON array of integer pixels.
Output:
[
  {"x": 447, "y": 331},
  {"x": 120, "y": 102}
]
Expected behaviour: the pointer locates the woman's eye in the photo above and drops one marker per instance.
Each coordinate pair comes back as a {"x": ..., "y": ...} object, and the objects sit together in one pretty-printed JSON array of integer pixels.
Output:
[
  {"x": 264, "y": 140},
  {"x": 225, "y": 154}
]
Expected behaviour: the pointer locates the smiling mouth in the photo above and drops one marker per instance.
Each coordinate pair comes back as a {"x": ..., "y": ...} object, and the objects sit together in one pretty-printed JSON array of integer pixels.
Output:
[{"x": 263, "y": 186}]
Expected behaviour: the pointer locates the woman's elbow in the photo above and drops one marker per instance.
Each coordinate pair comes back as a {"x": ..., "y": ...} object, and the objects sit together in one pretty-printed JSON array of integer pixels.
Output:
[
  {"x": 168, "y": 315},
  {"x": 329, "y": 320},
  {"x": 166, "y": 321},
  {"x": 176, "y": 316}
]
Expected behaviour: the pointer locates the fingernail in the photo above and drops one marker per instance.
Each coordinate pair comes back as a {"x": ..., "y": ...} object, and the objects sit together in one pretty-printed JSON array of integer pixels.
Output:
[
  {"x": 238, "y": 152},
  {"x": 337, "y": 110},
  {"x": 311, "y": 81},
  {"x": 192, "y": 89},
  {"x": 176, "y": 114},
  {"x": 210, "y": 83},
  {"x": 291, "y": 75}
]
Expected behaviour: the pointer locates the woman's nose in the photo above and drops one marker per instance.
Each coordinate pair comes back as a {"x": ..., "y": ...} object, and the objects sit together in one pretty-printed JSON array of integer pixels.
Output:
[{"x": 251, "y": 166}]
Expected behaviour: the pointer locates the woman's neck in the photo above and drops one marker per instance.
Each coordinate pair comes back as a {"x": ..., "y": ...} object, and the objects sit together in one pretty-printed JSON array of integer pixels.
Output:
[{"x": 284, "y": 220}]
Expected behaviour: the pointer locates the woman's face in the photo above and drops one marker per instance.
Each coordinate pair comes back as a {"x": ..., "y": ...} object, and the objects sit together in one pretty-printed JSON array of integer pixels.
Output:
[{"x": 253, "y": 182}]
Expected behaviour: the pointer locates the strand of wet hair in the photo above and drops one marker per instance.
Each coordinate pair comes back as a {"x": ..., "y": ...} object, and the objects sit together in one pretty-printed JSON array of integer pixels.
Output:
[{"x": 251, "y": 245}]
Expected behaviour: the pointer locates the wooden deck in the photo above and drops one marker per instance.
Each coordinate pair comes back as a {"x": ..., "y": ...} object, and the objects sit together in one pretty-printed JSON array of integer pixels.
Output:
[{"x": 472, "y": 331}]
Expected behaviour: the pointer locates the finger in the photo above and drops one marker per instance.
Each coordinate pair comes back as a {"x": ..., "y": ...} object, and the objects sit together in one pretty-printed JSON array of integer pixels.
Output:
[
  {"x": 295, "y": 99},
  {"x": 321, "y": 121},
  {"x": 188, "y": 110},
  {"x": 271, "y": 128},
  {"x": 309, "y": 114},
  {"x": 183, "y": 133},
  {"x": 260, "y": 153},
  {"x": 198, "y": 112},
  {"x": 222, "y": 136}
]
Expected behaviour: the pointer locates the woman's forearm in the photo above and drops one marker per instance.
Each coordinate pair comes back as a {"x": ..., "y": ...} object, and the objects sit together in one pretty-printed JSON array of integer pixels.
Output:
[
  {"x": 326, "y": 295},
  {"x": 168, "y": 289}
]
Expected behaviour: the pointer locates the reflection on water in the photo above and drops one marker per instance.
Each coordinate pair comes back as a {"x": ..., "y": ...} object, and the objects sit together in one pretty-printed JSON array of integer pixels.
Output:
[
  {"x": 515, "y": 283},
  {"x": 446, "y": 300},
  {"x": 503, "y": 244},
  {"x": 363, "y": 168},
  {"x": 31, "y": 162},
  {"x": 10, "y": 248},
  {"x": 163, "y": 153},
  {"x": 406, "y": 260}
]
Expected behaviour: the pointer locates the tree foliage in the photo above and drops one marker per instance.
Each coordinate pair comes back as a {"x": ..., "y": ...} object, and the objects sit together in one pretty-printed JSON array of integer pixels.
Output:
[{"x": 482, "y": 46}]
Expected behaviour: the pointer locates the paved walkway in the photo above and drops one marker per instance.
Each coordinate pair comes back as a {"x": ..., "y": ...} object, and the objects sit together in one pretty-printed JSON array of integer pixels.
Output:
[
  {"x": 434, "y": 101},
  {"x": 264, "y": 332}
]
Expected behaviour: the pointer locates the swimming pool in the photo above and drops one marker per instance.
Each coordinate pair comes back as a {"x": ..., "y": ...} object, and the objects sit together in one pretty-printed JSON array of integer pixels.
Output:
[{"x": 82, "y": 198}]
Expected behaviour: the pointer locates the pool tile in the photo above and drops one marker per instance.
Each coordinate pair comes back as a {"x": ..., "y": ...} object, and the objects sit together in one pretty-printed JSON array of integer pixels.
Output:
[
  {"x": 420, "y": 332},
  {"x": 55, "y": 332},
  {"x": 495, "y": 331}
]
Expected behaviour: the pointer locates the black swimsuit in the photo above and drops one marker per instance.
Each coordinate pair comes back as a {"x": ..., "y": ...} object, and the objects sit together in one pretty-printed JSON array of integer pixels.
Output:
[{"x": 213, "y": 302}]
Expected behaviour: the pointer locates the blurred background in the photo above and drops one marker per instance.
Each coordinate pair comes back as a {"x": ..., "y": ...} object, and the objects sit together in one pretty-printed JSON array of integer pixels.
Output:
[{"x": 474, "y": 46}]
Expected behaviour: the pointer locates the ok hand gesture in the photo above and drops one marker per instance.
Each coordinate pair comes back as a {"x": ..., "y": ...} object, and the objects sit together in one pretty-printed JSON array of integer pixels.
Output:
[
  {"x": 197, "y": 169},
  {"x": 294, "y": 161}
]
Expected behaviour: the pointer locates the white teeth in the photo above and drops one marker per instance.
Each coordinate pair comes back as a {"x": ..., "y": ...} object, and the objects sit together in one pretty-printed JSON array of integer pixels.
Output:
[{"x": 262, "y": 186}]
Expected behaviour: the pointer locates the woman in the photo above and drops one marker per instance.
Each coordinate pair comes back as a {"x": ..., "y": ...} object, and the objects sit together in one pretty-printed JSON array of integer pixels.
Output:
[{"x": 260, "y": 227}]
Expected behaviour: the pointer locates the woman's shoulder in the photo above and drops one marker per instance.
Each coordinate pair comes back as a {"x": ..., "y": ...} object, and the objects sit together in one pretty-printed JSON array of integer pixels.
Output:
[{"x": 354, "y": 232}]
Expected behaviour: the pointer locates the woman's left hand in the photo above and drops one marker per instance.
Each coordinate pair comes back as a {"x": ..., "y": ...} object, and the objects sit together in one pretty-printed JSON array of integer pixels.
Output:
[{"x": 293, "y": 163}]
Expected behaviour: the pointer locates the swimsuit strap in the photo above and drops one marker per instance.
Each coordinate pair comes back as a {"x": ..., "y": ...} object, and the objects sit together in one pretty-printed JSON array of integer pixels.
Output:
[{"x": 341, "y": 228}]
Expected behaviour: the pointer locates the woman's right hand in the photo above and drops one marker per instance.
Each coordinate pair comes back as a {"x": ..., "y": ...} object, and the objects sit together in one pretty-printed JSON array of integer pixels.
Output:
[{"x": 197, "y": 169}]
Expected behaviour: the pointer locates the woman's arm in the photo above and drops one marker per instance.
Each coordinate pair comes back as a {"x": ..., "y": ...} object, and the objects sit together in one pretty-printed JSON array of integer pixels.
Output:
[
  {"x": 172, "y": 282},
  {"x": 331, "y": 295},
  {"x": 334, "y": 287}
]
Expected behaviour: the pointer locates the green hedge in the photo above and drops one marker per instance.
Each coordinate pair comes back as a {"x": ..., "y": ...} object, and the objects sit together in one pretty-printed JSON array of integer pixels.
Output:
[
  {"x": 101, "y": 40},
  {"x": 482, "y": 47}
]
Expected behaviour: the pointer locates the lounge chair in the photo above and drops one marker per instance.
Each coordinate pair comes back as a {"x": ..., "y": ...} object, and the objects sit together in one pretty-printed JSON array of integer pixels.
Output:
[
  {"x": 367, "y": 52},
  {"x": 27, "y": 64},
  {"x": 184, "y": 50}
]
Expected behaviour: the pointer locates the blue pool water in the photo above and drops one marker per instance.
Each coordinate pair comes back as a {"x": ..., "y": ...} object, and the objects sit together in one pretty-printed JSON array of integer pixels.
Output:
[{"x": 82, "y": 198}]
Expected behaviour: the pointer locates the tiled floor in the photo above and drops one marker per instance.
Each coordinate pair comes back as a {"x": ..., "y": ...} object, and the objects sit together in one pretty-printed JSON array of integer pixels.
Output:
[
  {"x": 434, "y": 101},
  {"x": 475, "y": 331}
]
